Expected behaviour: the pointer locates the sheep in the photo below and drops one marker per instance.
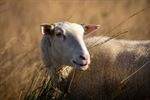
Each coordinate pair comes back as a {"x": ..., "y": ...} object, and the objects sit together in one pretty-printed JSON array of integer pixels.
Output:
[{"x": 63, "y": 50}]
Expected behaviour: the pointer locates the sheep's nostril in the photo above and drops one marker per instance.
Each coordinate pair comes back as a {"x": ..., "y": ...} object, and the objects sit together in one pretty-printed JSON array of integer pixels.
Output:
[{"x": 83, "y": 57}]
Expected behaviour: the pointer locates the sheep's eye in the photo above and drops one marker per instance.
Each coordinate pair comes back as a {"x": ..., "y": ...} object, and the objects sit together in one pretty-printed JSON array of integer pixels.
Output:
[{"x": 59, "y": 34}]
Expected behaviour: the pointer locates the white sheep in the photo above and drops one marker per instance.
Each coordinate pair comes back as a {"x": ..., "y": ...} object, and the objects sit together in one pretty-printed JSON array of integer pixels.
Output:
[{"x": 63, "y": 48}]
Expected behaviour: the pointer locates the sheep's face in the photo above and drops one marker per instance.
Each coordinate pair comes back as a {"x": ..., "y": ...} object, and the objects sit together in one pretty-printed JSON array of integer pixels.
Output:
[{"x": 67, "y": 44}]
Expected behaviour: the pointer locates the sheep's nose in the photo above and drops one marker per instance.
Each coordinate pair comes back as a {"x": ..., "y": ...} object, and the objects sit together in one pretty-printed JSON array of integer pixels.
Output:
[{"x": 84, "y": 57}]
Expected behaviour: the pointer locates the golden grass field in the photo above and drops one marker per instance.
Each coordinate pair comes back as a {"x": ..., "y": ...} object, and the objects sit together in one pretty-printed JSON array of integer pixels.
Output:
[{"x": 20, "y": 32}]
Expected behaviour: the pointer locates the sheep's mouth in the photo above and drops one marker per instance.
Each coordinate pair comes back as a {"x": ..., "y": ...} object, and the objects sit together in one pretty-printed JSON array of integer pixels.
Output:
[{"x": 79, "y": 64}]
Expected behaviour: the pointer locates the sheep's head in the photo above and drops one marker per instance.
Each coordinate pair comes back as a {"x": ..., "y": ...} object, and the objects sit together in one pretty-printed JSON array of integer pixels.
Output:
[{"x": 67, "y": 44}]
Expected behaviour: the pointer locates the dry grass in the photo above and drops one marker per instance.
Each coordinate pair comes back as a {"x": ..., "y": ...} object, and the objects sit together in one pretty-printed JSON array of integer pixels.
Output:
[{"x": 20, "y": 35}]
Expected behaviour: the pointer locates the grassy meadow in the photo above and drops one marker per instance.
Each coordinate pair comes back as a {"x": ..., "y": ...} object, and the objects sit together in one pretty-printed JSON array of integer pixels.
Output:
[{"x": 20, "y": 33}]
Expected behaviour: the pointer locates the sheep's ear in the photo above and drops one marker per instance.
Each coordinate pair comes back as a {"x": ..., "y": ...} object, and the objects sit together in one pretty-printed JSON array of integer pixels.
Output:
[
  {"x": 47, "y": 29},
  {"x": 90, "y": 28}
]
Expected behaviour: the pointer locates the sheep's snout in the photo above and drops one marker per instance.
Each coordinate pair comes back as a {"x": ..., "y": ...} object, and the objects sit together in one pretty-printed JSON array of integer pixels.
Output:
[{"x": 81, "y": 61}]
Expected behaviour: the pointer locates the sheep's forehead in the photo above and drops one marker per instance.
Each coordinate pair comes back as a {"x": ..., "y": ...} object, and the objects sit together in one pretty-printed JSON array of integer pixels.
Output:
[{"x": 71, "y": 28}]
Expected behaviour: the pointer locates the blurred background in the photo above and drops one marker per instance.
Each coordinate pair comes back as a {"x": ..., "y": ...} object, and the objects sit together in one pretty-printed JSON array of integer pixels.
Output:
[{"x": 20, "y": 32}]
